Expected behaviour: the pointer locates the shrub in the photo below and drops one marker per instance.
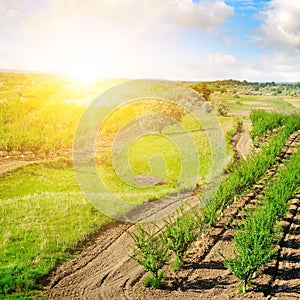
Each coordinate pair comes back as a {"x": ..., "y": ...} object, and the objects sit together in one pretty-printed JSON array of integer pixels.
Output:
[
  {"x": 254, "y": 246},
  {"x": 180, "y": 231},
  {"x": 222, "y": 109},
  {"x": 150, "y": 252},
  {"x": 255, "y": 242}
]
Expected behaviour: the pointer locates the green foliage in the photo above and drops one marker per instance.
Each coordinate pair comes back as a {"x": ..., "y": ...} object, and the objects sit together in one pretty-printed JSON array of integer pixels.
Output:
[
  {"x": 254, "y": 246},
  {"x": 180, "y": 231},
  {"x": 222, "y": 109},
  {"x": 243, "y": 174},
  {"x": 40, "y": 221},
  {"x": 263, "y": 122},
  {"x": 152, "y": 281},
  {"x": 150, "y": 251},
  {"x": 204, "y": 89},
  {"x": 160, "y": 114},
  {"x": 44, "y": 130},
  {"x": 255, "y": 242},
  {"x": 33, "y": 115}
]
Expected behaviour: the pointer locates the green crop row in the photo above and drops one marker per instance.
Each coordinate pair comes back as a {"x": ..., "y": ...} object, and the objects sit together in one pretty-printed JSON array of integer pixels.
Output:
[
  {"x": 263, "y": 122},
  {"x": 255, "y": 242},
  {"x": 244, "y": 174},
  {"x": 40, "y": 130},
  {"x": 151, "y": 249}
]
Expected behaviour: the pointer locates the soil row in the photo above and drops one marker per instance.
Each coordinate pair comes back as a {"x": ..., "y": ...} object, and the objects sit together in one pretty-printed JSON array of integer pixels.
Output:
[{"x": 104, "y": 270}]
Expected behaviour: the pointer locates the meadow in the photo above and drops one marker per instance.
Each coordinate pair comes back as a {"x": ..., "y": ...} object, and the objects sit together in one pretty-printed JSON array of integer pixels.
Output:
[{"x": 44, "y": 215}]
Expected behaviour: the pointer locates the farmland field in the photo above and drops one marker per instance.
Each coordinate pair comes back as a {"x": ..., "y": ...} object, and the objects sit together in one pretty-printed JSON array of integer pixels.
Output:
[{"x": 46, "y": 220}]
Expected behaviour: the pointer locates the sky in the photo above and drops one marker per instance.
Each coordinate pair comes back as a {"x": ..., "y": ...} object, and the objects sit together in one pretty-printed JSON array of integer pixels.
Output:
[{"x": 163, "y": 39}]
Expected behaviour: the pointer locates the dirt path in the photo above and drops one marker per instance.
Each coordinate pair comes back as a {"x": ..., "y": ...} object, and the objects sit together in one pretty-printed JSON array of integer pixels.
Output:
[
  {"x": 242, "y": 143},
  {"x": 8, "y": 164},
  {"x": 104, "y": 270}
]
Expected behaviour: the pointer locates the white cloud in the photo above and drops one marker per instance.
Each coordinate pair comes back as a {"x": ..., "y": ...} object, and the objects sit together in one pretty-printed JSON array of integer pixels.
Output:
[
  {"x": 172, "y": 13},
  {"x": 279, "y": 35},
  {"x": 222, "y": 59},
  {"x": 280, "y": 27},
  {"x": 204, "y": 14},
  {"x": 111, "y": 35}
]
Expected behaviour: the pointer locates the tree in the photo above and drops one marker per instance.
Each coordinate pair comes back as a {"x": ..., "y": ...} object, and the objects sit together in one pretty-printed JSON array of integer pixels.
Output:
[
  {"x": 150, "y": 252},
  {"x": 254, "y": 246},
  {"x": 158, "y": 114},
  {"x": 204, "y": 89}
]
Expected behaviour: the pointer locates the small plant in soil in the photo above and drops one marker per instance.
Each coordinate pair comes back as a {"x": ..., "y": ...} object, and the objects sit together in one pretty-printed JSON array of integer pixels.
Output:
[
  {"x": 254, "y": 246},
  {"x": 150, "y": 251},
  {"x": 180, "y": 232}
]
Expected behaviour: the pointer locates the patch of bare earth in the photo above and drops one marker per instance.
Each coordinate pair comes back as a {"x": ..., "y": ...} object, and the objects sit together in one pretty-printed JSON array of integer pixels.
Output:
[
  {"x": 241, "y": 141},
  {"x": 256, "y": 103},
  {"x": 241, "y": 113},
  {"x": 294, "y": 102},
  {"x": 104, "y": 270},
  {"x": 8, "y": 164}
]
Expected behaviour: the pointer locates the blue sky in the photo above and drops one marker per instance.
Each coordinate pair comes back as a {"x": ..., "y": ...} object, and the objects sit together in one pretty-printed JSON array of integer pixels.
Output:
[{"x": 168, "y": 39}]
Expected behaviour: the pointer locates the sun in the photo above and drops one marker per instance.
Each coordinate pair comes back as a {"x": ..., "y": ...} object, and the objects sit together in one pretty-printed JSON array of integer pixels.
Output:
[{"x": 83, "y": 73}]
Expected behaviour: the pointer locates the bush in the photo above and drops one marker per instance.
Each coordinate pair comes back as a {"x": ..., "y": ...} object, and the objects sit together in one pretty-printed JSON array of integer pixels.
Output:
[
  {"x": 255, "y": 242},
  {"x": 150, "y": 252},
  {"x": 180, "y": 231},
  {"x": 222, "y": 109},
  {"x": 254, "y": 246}
]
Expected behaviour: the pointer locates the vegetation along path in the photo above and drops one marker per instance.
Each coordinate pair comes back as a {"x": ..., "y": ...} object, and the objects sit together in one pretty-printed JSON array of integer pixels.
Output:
[{"x": 105, "y": 271}]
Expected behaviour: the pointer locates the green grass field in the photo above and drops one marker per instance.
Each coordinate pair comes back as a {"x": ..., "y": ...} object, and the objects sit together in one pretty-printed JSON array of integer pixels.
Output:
[
  {"x": 246, "y": 103},
  {"x": 43, "y": 215}
]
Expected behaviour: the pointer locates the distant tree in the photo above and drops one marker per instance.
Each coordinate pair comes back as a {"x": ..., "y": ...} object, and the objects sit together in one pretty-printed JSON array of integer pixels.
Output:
[
  {"x": 204, "y": 89},
  {"x": 159, "y": 114}
]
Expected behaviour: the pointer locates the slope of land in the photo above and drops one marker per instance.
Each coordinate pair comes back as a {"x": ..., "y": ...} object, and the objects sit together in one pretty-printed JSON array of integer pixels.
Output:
[{"x": 104, "y": 271}]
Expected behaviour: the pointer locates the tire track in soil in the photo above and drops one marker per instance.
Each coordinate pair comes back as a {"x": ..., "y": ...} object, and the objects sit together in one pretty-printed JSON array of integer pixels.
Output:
[
  {"x": 105, "y": 266},
  {"x": 104, "y": 271}
]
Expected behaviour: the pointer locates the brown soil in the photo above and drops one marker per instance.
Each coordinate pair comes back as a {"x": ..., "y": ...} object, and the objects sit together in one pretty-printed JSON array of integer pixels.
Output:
[
  {"x": 8, "y": 164},
  {"x": 256, "y": 103},
  {"x": 104, "y": 270},
  {"x": 293, "y": 101},
  {"x": 241, "y": 141},
  {"x": 242, "y": 113}
]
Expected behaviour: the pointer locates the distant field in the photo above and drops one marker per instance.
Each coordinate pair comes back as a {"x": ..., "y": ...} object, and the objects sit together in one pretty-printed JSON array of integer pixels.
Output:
[{"x": 245, "y": 103}]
